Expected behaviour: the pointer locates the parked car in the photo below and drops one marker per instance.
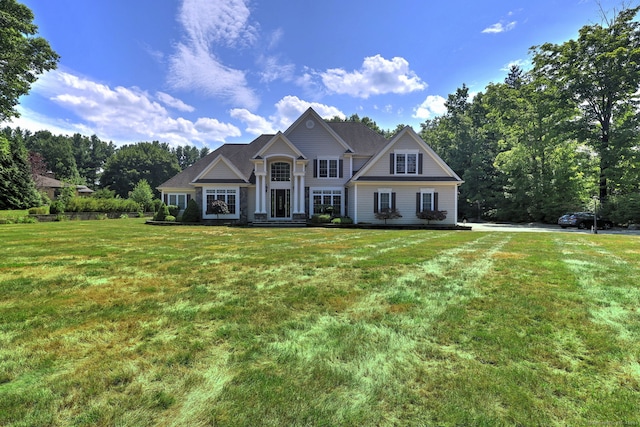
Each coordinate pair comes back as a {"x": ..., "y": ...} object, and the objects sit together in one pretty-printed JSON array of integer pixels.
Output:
[{"x": 583, "y": 220}]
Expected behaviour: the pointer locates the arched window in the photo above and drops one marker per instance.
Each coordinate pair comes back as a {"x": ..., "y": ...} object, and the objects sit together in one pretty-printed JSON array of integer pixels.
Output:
[{"x": 280, "y": 171}]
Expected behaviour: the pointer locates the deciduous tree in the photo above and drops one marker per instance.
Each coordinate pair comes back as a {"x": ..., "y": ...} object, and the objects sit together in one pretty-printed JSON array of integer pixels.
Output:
[
  {"x": 23, "y": 55},
  {"x": 600, "y": 72}
]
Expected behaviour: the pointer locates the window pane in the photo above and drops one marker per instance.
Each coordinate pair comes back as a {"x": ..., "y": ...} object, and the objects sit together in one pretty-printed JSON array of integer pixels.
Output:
[
  {"x": 322, "y": 168},
  {"x": 333, "y": 168},
  {"x": 385, "y": 201},
  {"x": 412, "y": 162},
  {"x": 426, "y": 201},
  {"x": 280, "y": 171},
  {"x": 400, "y": 163},
  {"x": 231, "y": 203}
]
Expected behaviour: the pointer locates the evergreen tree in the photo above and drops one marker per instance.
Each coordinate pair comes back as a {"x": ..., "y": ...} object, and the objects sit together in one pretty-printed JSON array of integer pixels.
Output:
[{"x": 17, "y": 189}]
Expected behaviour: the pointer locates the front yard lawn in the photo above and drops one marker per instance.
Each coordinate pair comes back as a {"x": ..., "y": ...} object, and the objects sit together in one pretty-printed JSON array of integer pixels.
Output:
[{"x": 117, "y": 323}]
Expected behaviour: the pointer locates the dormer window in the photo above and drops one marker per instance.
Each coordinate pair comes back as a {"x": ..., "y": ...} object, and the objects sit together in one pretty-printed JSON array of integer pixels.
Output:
[{"x": 406, "y": 162}]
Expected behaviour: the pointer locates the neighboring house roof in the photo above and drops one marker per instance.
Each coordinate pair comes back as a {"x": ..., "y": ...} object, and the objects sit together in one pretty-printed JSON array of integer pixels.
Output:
[{"x": 48, "y": 182}]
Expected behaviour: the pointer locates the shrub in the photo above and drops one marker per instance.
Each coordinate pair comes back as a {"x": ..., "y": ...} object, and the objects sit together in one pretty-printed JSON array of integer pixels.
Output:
[
  {"x": 103, "y": 193},
  {"x": 321, "y": 219},
  {"x": 342, "y": 220},
  {"x": 192, "y": 212},
  {"x": 173, "y": 210},
  {"x": 156, "y": 204},
  {"x": 57, "y": 207},
  {"x": 388, "y": 213},
  {"x": 42, "y": 210},
  {"x": 162, "y": 213},
  {"x": 170, "y": 218},
  {"x": 217, "y": 207},
  {"x": 431, "y": 215}
]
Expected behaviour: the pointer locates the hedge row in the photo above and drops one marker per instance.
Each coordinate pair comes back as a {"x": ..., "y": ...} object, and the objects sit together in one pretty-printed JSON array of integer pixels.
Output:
[{"x": 89, "y": 204}]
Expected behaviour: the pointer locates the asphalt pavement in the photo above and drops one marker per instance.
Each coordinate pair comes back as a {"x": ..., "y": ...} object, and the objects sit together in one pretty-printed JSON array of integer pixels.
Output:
[{"x": 542, "y": 228}]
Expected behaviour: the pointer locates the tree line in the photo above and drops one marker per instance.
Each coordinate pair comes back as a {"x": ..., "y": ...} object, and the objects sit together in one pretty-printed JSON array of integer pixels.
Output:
[
  {"x": 549, "y": 140},
  {"x": 83, "y": 160}
]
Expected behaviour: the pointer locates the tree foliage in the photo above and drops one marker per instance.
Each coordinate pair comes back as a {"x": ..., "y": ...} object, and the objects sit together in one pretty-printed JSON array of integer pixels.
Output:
[
  {"x": 143, "y": 195},
  {"x": 600, "y": 72},
  {"x": 17, "y": 189},
  {"x": 387, "y": 213},
  {"x": 151, "y": 161},
  {"x": 23, "y": 55}
]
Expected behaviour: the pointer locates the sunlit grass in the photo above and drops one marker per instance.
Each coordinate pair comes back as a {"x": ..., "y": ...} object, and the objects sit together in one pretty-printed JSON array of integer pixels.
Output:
[{"x": 118, "y": 323}]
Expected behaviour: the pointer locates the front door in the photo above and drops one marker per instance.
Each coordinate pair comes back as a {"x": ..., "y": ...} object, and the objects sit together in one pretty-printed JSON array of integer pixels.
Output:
[{"x": 280, "y": 203}]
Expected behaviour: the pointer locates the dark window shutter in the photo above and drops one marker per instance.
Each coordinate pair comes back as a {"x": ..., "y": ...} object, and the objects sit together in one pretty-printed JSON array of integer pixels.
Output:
[
  {"x": 188, "y": 197},
  {"x": 315, "y": 168},
  {"x": 392, "y": 168},
  {"x": 418, "y": 207},
  {"x": 393, "y": 200},
  {"x": 420, "y": 158},
  {"x": 375, "y": 202},
  {"x": 435, "y": 201},
  {"x": 166, "y": 199},
  {"x": 340, "y": 166}
]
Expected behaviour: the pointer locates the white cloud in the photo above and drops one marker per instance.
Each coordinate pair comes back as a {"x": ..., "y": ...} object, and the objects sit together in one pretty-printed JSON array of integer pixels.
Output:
[
  {"x": 195, "y": 67},
  {"x": 524, "y": 64},
  {"x": 377, "y": 76},
  {"x": 273, "y": 70},
  {"x": 220, "y": 22},
  {"x": 256, "y": 125},
  {"x": 172, "y": 102},
  {"x": 500, "y": 27},
  {"x": 289, "y": 108},
  {"x": 432, "y": 106},
  {"x": 122, "y": 114}
]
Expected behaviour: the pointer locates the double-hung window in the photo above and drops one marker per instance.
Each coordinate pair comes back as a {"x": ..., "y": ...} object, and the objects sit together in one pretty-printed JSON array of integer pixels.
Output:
[
  {"x": 177, "y": 199},
  {"x": 327, "y": 168},
  {"x": 383, "y": 199},
  {"x": 406, "y": 162},
  {"x": 426, "y": 200}
]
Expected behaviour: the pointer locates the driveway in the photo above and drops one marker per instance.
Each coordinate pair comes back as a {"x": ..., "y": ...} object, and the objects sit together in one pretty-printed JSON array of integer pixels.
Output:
[{"x": 543, "y": 228}]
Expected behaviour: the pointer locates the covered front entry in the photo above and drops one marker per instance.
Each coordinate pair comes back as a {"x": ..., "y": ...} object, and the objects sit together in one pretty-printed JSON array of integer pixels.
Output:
[
  {"x": 280, "y": 190},
  {"x": 281, "y": 203}
]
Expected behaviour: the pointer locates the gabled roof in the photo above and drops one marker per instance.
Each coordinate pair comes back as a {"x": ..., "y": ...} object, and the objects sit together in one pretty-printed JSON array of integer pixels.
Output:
[
  {"x": 450, "y": 174},
  {"x": 200, "y": 179},
  {"x": 363, "y": 140},
  {"x": 279, "y": 137},
  {"x": 237, "y": 154},
  {"x": 311, "y": 114}
]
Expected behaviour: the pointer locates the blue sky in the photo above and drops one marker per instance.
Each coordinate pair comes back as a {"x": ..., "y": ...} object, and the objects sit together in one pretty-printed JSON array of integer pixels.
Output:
[{"x": 205, "y": 72}]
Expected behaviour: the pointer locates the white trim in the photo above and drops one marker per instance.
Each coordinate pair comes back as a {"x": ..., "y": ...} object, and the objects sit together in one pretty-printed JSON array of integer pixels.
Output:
[
  {"x": 405, "y": 152},
  {"x": 214, "y": 162},
  {"x": 333, "y": 189},
  {"x": 328, "y": 159},
  {"x": 382, "y": 191},
  {"x": 428, "y": 150},
  {"x": 176, "y": 194},
  {"x": 206, "y": 189}
]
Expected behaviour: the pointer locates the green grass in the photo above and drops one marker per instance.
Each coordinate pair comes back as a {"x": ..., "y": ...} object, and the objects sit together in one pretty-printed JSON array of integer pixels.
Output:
[{"x": 119, "y": 323}]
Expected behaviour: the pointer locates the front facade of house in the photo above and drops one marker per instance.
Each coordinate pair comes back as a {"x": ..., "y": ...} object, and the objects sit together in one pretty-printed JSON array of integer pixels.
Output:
[{"x": 313, "y": 165}]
